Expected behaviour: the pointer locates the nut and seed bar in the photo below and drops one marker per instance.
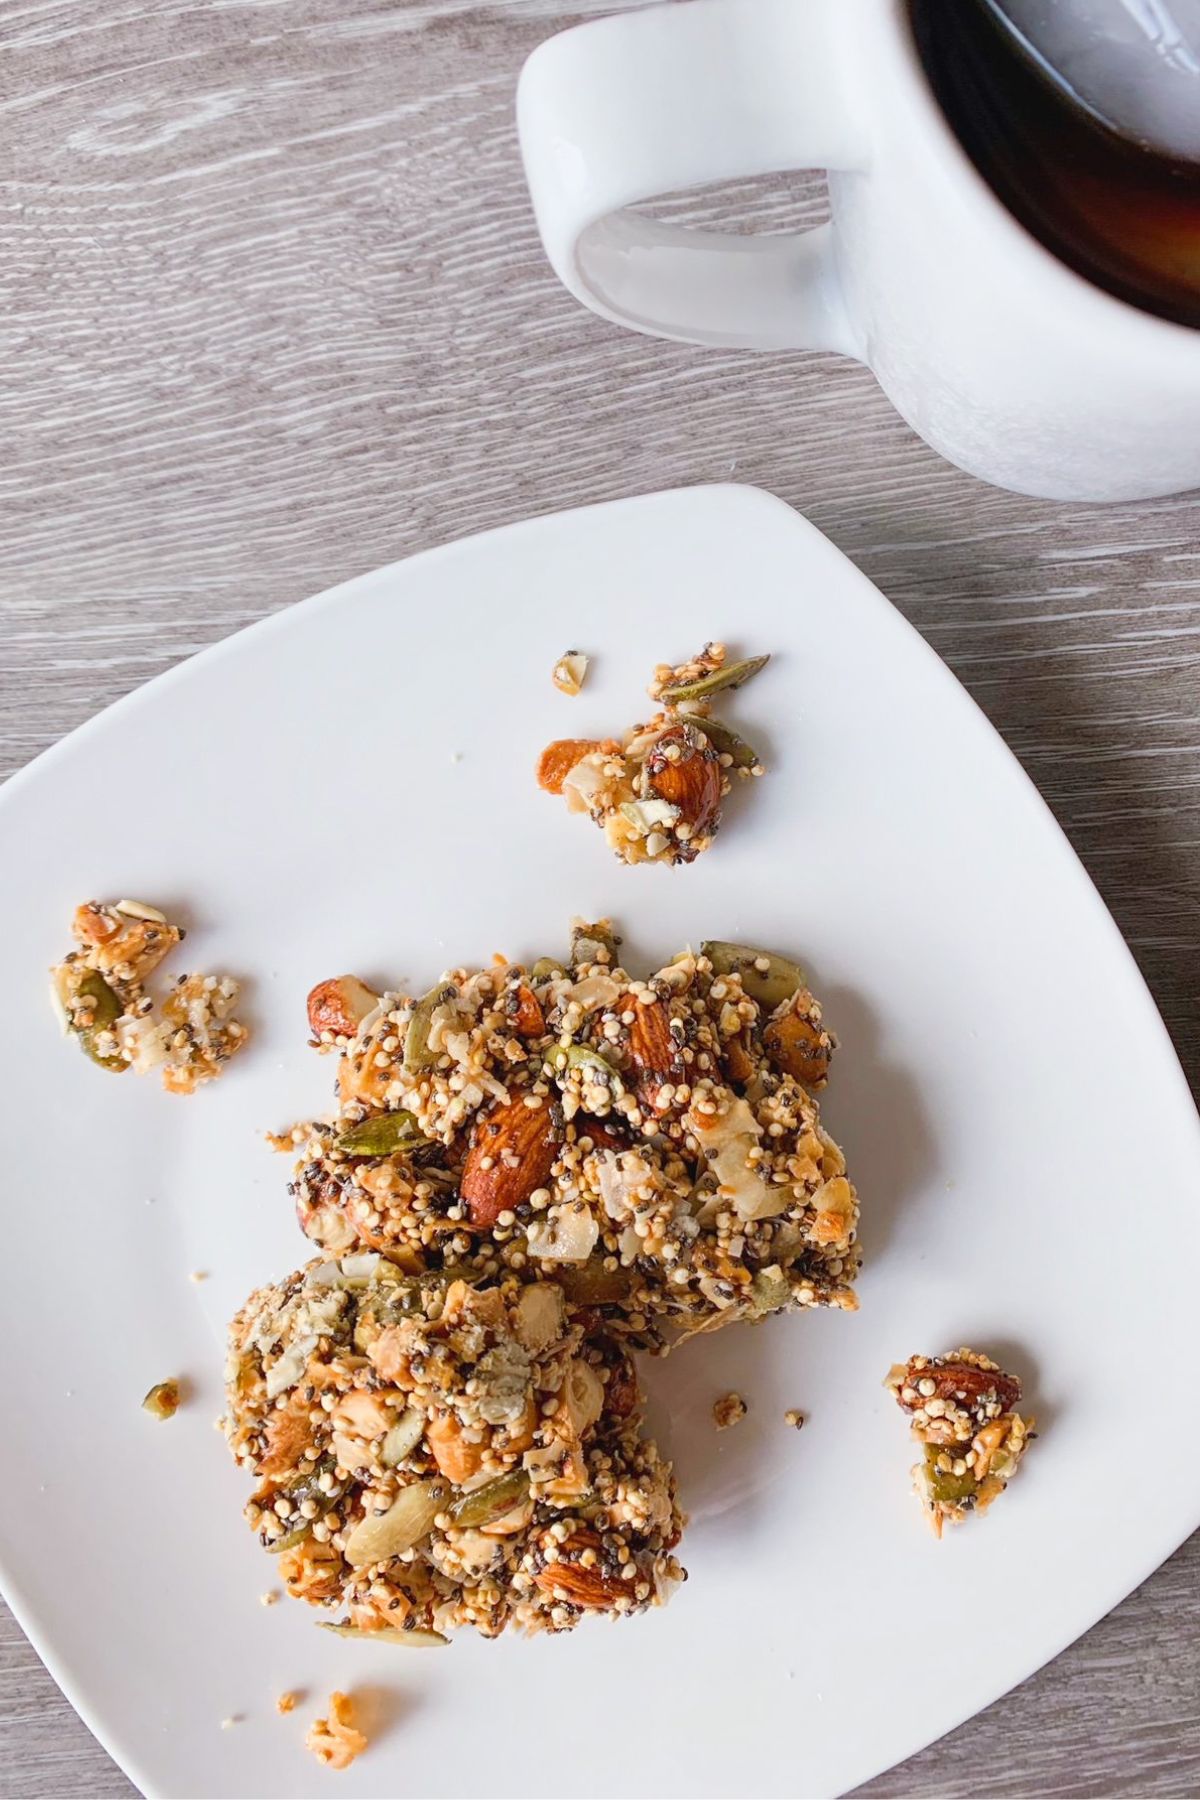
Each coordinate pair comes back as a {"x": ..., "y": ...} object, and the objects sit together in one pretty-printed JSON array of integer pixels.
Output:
[
  {"x": 432, "y": 1454},
  {"x": 655, "y": 1146}
]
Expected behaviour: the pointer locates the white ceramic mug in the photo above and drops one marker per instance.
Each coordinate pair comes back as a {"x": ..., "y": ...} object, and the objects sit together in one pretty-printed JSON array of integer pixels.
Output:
[{"x": 1000, "y": 356}]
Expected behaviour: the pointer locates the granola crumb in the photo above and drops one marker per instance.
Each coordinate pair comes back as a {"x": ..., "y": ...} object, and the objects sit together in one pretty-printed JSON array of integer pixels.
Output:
[
  {"x": 229, "y": 1723},
  {"x": 570, "y": 672},
  {"x": 163, "y": 1400},
  {"x": 961, "y": 1408},
  {"x": 729, "y": 1410},
  {"x": 657, "y": 792},
  {"x": 100, "y": 996},
  {"x": 198, "y": 1275},
  {"x": 795, "y": 1418},
  {"x": 270, "y": 1598},
  {"x": 286, "y": 1703},
  {"x": 335, "y": 1740}
]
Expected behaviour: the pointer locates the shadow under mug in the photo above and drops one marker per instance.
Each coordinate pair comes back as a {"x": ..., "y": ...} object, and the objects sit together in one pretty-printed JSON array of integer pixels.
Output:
[{"x": 1001, "y": 357}]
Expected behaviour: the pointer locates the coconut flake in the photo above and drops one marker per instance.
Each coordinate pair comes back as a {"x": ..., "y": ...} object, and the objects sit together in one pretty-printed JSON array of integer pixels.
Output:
[
  {"x": 727, "y": 1141},
  {"x": 564, "y": 1236}
]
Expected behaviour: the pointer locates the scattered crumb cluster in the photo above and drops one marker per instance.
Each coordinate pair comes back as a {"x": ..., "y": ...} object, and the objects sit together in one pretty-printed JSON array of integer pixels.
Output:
[
  {"x": 100, "y": 994},
  {"x": 162, "y": 1402},
  {"x": 729, "y": 1410},
  {"x": 962, "y": 1409},
  {"x": 570, "y": 672},
  {"x": 657, "y": 793},
  {"x": 335, "y": 1740}
]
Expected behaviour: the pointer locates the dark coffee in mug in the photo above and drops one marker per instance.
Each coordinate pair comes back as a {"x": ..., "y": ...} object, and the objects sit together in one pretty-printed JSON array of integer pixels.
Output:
[{"x": 1121, "y": 210}]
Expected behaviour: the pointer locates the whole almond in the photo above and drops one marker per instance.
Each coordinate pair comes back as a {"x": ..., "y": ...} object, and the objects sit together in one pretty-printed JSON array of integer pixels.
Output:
[
  {"x": 511, "y": 1154},
  {"x": 963, "y": 1384},
  {"x": 653, "y": 1052},
  {"x": 578, "y": 1585},
  {"x": 683, "y": 768}
]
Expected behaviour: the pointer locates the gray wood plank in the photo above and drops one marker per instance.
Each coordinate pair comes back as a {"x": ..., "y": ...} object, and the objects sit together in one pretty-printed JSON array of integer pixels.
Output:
[{"x": 273, "y": 312}]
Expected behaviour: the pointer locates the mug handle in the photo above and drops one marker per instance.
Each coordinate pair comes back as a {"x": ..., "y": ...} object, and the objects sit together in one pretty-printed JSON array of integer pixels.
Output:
[{"x": 618, "y": 110}]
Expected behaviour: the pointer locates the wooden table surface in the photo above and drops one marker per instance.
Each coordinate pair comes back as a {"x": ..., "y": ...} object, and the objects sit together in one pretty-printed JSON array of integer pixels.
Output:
[{"x": 274, "y": 312}]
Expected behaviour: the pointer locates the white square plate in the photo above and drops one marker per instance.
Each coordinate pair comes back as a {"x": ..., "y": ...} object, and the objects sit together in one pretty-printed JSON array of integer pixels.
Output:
[{"x": 349, "y": 786}]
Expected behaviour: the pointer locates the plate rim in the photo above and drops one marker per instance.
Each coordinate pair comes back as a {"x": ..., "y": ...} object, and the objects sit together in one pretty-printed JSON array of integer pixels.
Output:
[{"x": 738, "y": 494}]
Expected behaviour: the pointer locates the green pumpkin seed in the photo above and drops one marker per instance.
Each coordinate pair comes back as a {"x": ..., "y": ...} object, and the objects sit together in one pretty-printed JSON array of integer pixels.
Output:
[
  {"x": 403, "y": 1437},
  {"x": 726, "y": 742},
  {"x": 767, "y": 978},
  {"x": 587, "y": 940},
  {"x": 484, "y": 1505},
  {"x": 416, "y": 1639},
  {"x": 105, "y": 1008},
  {"x": 732, "y": 675},
  {"x": 545, "y": 967},
  {"x": 596, "y": 1067},
  {"x": 381, "y": 1135},
  {"x": 769, "y": 1292},
  {"x": 945, "y": 1486},
  {"x": 307, "y": 1488},
  {"x": 162, "y": 1402},
  {"x": 418, "y": 1057},
  {"x": 289, "y": 1540}
]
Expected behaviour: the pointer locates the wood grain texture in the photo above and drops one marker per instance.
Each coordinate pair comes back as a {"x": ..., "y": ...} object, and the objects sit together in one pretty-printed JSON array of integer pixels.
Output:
[{"x": 273, "y": 312}]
